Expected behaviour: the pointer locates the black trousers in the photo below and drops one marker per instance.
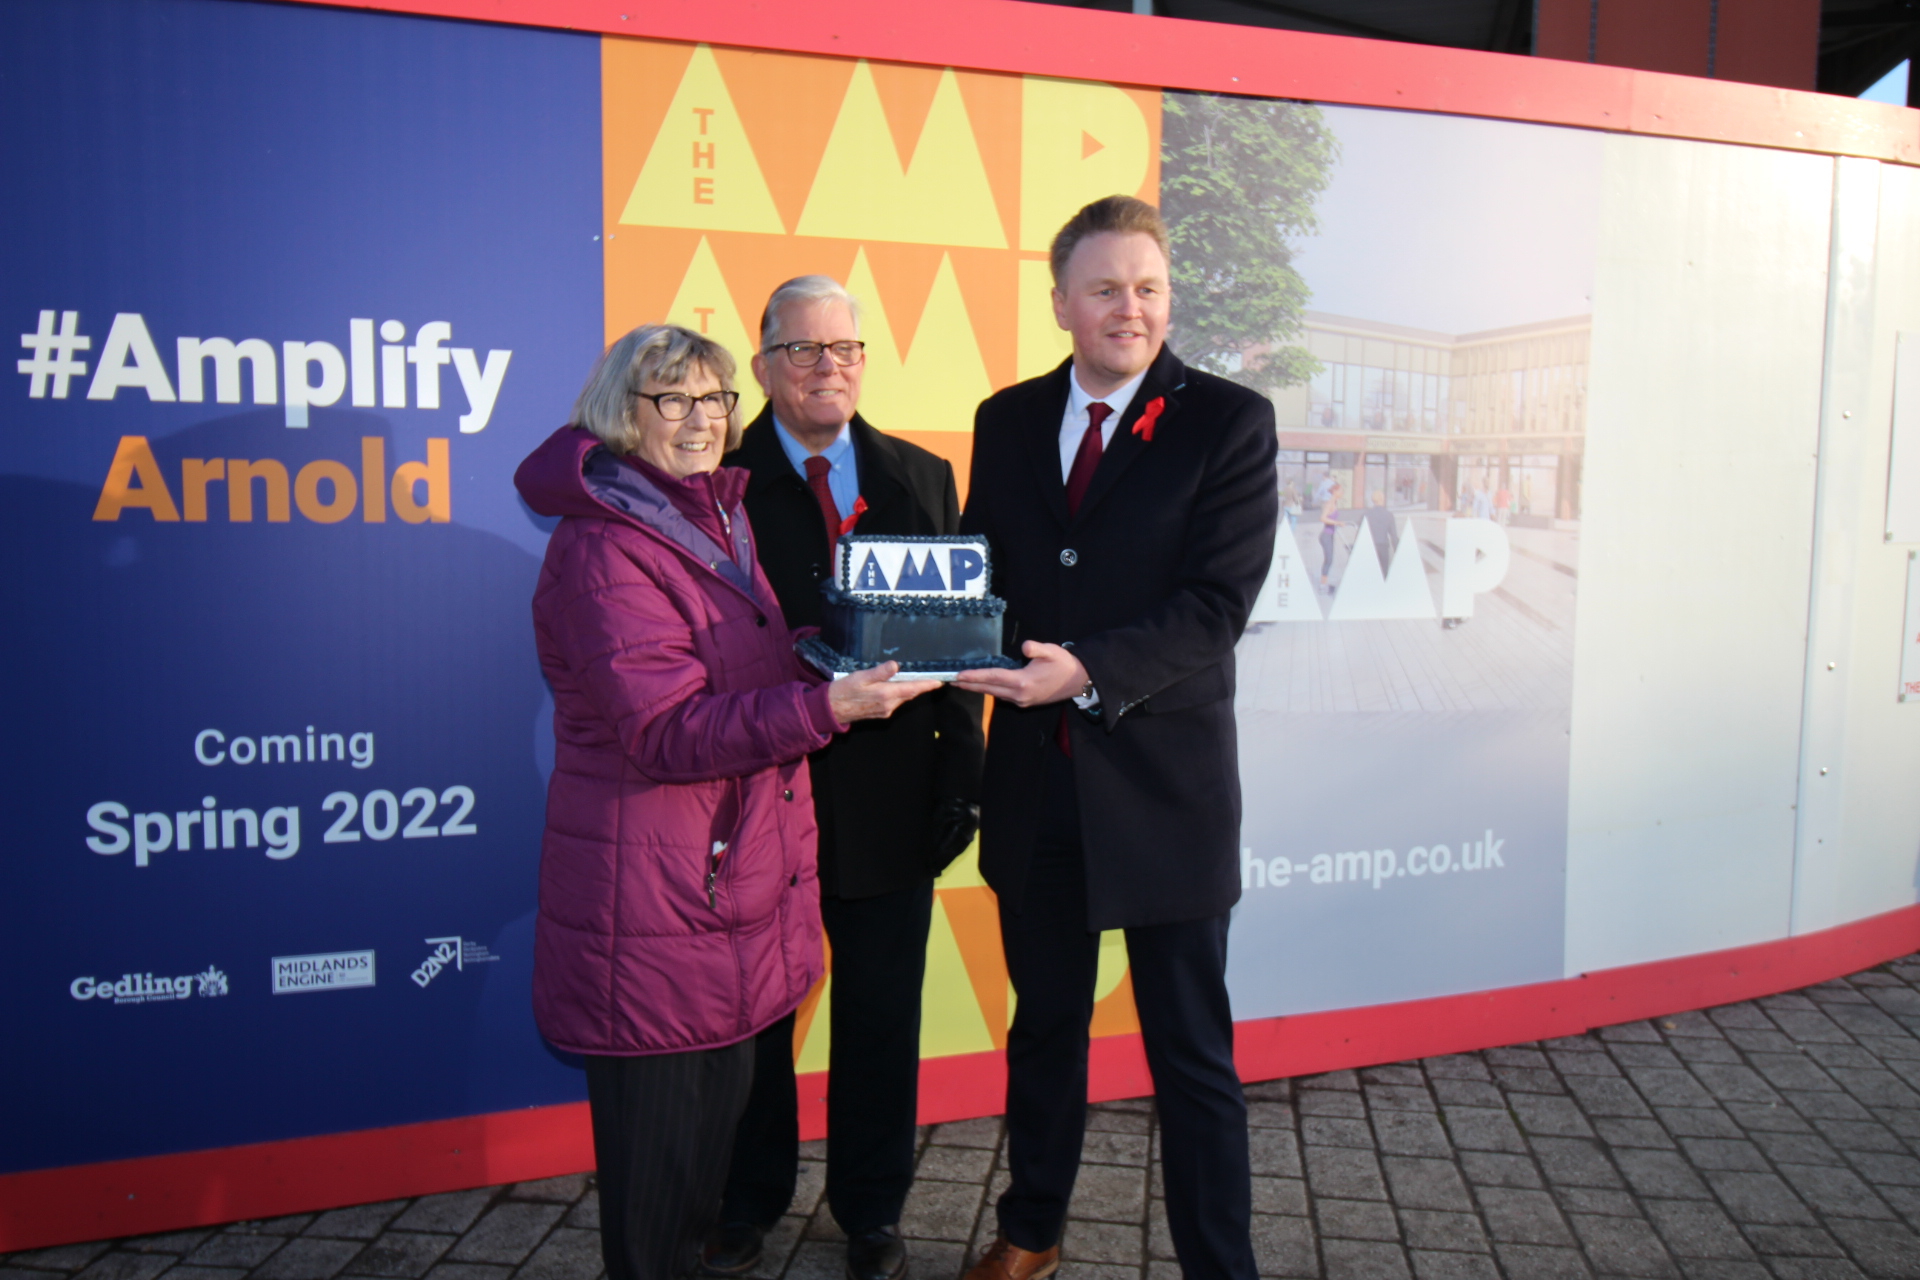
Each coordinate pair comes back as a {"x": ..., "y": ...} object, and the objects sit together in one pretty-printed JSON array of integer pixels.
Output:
[
  {"x": 873, "y": 1080},
  {"x": 1179, "y": 987},
  {"x": 662, "y": 1131}
]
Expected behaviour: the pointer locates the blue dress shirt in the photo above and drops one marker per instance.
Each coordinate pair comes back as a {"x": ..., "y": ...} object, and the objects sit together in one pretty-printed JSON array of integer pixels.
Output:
[{"x": 844, "y": 480}]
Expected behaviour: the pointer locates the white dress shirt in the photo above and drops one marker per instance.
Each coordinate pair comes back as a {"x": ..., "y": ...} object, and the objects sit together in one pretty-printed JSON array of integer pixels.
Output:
[{"x": 1074, "y": 425}]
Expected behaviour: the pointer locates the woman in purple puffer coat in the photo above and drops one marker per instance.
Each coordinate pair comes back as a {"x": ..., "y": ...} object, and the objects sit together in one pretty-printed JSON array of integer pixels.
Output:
[{"x": 678, "y": 910}]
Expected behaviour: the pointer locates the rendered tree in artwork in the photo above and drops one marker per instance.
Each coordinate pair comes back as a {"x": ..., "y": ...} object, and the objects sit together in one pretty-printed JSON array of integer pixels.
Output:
[{"x": 1238, "y": 181}]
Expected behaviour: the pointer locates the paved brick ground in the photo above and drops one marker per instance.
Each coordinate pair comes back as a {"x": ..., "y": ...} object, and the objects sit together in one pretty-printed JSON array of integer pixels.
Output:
[{"x": 1778, "y": 1138}]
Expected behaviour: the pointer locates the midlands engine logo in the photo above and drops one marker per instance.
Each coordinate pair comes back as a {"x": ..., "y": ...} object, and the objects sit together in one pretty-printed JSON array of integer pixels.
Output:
[
  {"x": 333, "y": 971},
  {"x": 146, "y": 988},
  {"x": 325, "y": 491}
]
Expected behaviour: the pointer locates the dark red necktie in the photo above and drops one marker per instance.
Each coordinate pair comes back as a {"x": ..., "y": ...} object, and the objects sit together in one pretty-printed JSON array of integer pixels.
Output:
[
  {"x": 817, "y": 469},
  {"x": 1087, "y": 460},
  {"x": 1079, "y": 476}
]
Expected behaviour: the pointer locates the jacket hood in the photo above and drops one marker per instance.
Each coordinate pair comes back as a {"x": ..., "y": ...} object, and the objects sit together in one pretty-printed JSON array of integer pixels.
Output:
[{"x": 551, "y": 479}]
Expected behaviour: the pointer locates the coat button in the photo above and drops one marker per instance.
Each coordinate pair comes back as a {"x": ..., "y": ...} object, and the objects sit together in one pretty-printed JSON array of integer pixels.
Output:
[
  {"x": 1069, "y": 557},
  {"x": 786, "y": 795},
  {"x": 761, "y": 620}
]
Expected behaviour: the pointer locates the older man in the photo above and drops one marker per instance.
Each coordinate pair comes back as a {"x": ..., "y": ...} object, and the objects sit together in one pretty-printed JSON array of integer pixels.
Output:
[{"x": 894, "y": 806}]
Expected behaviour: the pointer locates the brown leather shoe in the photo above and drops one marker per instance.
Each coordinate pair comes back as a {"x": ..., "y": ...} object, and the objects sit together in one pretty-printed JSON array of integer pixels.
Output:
[{"x": 1006, "y": 1261}]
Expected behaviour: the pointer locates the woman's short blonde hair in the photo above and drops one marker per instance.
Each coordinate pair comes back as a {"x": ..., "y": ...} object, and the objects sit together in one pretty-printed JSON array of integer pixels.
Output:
[{"x": 663, "y": 354}]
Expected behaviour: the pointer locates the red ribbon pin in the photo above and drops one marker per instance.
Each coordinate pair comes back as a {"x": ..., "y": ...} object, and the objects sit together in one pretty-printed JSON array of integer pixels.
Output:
[
  {"x": 859, "y": 509},
  {"x": 1149, "y": 416}
]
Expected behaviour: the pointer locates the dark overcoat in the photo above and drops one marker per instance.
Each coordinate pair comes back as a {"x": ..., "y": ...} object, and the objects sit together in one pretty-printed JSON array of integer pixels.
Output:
[
  {"x": 875, "y": 787},
  {"x": 1151, "y": 583}
]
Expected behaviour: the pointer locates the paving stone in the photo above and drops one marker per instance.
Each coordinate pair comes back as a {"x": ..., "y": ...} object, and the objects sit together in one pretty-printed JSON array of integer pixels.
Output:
[
  {"x": 1623, "y": 1246},
  {"x": 1526, "y": 1217},
  {"x": 1434, "y": 1229},
  {"x": 291, "y": 1225},
  {"x": 1633, "y": 1133},
  {"x": 1279, "y": 1196},
  {"x": 1455, "y": 1066},
  {"x": 1877, "y": 1088},
  {"x": 1614, "y": 1204},
  {"x": 1583, "y": 1058},
  {"x": 1104, "y": 1242},
  {"x": 1356, "y": 1220},
  {"x": 1345, "y": 1080},
  {"x": 1670, "y": 1086},
  {"x": 818, "y": 1260},
  {"x": 1361, "y": 1260},
  {"x": 1760, "y": 1198},
  {"x": 939, "y": 1211},
  {"x": 1514, "y": 1056},
  {"x": 1697, "y": 1229},
  {"x": 1344, "y": 1173},
  {"x": 1525, "y": 1080},
  {"x": 954, "y": 1164},
  {"x": 1115, "y": 1148},
  {"x": 1330, "y": 1102},
  {"x": 1453, "y": 1266},
  {"x": 1724, "y": 1153},
  {"x": 1809, "y": 1026},
  {"x": 1426, "y": 1184},
  {"x": 228, "y": 1249},
  {"x": 1797, "y": 1148},
  {"x": 1399, "y": 1097},
  {"x": 1606, "y": 1096},
  {"x": 171, "y": 1242},
  {"x": 1468, "y": 1093},
  {"x": 25, "y": 1273},
  {"x": 778, "y": 1247},
  {"x": 1541, "y": 1262},
  {"x": 1101, "y": 1121},
  {"x": 1656, "y": 1055},
  {"x": 1334, "y": 1131},
  {"x": 1881, "y": 1248},
  {"x": 1490, "y": 1169},
  {"x": 1274, "y": 1152},
  {"x": 1285, "y": 1246},
  {"x": 1835, "y": 1192},
  {"x": 1743, "y": 1016},
  {"x": 402, "y": 1255},
  {"x": 63, "y": 1257},
  {"x": 1660, "y": 1173},
  {"x": 1553, "y": 1117},
  {"x": 133, "y": 1266},
  {"x": 567, "y": 1254},
  {"x": 185, "y": 1271},
  {"x": 1573, "y": 1162},
  {"x": 1812, "y": 1242},
  {"x": 1699, "y": 1122},
  {"x": 1701, "y": 1051},
  {"x": 507, "y": 1234},
  {"x": 1839, "y": 1105},
  {"x": 309, "y": 1258},
  {"x": 1887, "y": 1169},
  {"x": 361, "y": 1222},
  {"x": 1771, "y": 1117},
  {"x": 1411, "y": 1133},
  {"x": 469, "y": 1271},
  {"x": 586, "y": 1214},
  {"x": 1270, "y": 1091},
  {"x": 564, "y": 1189},
  {"x": 1816, "y": 1269},
  {"x": 1483, "y": 1129},
  {"x": 1395, "y": 1073},
  {"x": 1108, "y": 1193},
  {"x": 454, "y": 1211},
  {"x": 966, "y": 1133}
]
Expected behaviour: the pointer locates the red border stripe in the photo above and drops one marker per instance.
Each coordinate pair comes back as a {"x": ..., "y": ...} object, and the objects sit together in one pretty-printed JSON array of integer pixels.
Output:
[
  {"x": 1037, "y": 39},
  {"x": 200, "y": 1188}
]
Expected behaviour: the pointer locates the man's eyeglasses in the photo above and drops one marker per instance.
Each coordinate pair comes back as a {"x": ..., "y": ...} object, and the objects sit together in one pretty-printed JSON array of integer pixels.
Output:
[
  {"x": 805, "y": 355},
  {"x": 675, "y": 406}
]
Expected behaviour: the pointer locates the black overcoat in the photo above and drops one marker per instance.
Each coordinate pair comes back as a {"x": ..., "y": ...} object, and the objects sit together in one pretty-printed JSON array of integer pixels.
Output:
[
  {"x": 1151, "y": 583},
  {"x": 874, "y": 787}
]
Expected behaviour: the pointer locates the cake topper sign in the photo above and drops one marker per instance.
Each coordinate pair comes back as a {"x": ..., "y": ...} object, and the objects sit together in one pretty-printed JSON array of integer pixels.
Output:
[{"x": 879, "y": 566}]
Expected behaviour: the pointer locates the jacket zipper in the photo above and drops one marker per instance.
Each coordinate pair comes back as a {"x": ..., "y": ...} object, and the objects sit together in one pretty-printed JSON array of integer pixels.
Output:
[{"x": 713, "y": 872}]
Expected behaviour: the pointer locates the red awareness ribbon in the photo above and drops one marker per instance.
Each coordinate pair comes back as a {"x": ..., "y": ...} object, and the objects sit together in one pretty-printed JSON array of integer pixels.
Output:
[{"x": 1149, "y": 416}]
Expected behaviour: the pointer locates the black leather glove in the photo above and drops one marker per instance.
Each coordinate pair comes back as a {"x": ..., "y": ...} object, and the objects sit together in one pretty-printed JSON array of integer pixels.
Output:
[{"x": 954, "y": 823}]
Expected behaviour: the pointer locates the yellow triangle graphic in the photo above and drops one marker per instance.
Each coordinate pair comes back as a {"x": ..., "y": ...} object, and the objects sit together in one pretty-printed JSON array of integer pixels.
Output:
[
  {"x": 704, "y": 304},
  {"x": 701, "y": 172},
  {"x": 945, "y": 368},
  {"x": 941, "y": 196},
  {"x": 883, "y": 388},
  {"x": 1040, "y": 342},
  {"x": 813, "y": 1054},
  {"x": 950, "y": 1019},
  {"x": 1059, "y": 170}
]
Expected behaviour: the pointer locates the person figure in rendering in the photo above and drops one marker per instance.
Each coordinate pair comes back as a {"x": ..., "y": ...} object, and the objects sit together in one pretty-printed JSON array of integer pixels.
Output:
[
  {"x": 1380, "y": 524},
  {"x": 1130, "y": 505},
  {"x": 1329, "y": 532},
  {"x": 678, "y": 911},
  {"x": 894, "y": 806}
]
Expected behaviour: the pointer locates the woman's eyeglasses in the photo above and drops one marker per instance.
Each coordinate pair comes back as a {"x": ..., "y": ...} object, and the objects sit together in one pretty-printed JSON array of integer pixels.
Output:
[{"x": 675, "y": 406}]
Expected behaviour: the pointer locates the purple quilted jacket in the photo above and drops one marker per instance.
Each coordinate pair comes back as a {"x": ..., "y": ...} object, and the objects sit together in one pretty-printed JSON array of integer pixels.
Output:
[{"x": 683, "y": 723}]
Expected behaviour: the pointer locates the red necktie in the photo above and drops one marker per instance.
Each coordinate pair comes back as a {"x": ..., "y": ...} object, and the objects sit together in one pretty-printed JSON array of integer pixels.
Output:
[
  {"x": 817, "y": 468},
  {"x": 1087, "y": 460}
]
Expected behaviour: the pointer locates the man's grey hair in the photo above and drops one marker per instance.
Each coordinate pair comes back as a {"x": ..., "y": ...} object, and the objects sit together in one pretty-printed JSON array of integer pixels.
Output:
[
  {"x": 803, "y": 289},
  {"x": 663, "y": 354}
]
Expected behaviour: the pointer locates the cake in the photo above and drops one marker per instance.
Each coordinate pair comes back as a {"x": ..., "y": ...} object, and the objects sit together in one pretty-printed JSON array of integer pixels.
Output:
[{"x": 921, "y": 602}]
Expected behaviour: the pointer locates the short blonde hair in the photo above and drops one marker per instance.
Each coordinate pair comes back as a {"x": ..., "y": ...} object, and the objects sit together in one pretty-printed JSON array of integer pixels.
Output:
[
  {"x": 1122, "y": 214},
  {"x": 659, "y": 353}
]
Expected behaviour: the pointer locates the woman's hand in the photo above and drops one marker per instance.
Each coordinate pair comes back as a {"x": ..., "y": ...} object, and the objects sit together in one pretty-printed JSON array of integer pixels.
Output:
[{"x": 873, "y": 694}]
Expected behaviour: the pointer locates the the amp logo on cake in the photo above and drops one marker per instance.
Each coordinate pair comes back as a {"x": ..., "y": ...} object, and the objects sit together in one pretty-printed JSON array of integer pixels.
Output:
[{"x": 913, "y": 566}]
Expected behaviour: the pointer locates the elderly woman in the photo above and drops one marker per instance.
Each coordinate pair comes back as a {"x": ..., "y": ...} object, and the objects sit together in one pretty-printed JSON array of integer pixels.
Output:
[{"x": 678, "y": 909}]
